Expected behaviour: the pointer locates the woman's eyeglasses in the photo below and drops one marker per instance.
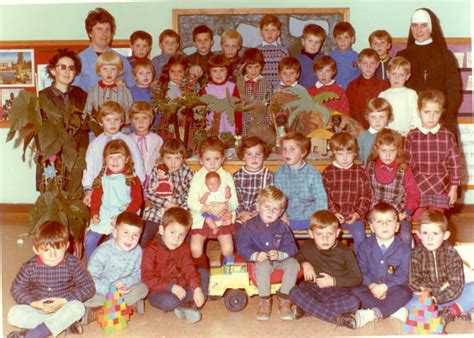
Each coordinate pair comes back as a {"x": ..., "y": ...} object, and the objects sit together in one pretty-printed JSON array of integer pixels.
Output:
[{"x": 72, "y": 68}]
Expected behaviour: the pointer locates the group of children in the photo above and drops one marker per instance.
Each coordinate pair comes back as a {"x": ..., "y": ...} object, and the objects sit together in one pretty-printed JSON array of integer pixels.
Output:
[{"x": 411, "y": 169}]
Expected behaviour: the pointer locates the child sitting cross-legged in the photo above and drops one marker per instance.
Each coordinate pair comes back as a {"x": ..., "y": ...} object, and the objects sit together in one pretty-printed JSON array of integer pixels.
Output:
[
  {"x": 50, "y": 287},
  {"x": 435, "y": 265},
  {"x": 330, "y": 270},
  {"x": 383, "y": 259},
  {"x": 169, "y": 271},
  {"x": 268, "y": 242},
  {"x": 118, "y": 262}
]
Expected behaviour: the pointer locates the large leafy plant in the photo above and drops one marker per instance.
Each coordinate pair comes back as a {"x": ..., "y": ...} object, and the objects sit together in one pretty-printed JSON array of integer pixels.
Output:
[{"x": 51, "y": 134}]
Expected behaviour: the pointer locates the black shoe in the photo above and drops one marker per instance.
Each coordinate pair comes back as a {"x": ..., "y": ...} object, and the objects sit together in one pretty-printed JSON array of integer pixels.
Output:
[
  {"x": 298, "y": 312},
  {"x": 75, "y": 328},
  {"x": 447, "y": 316},
  {"x": 347, "y": 320},
  {"x": 17, "y": 334}
]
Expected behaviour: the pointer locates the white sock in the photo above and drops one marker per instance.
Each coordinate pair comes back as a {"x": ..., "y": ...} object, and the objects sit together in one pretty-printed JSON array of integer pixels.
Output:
[
  {"x": 364, "y": 316},
  {"x": 401, "y": 314}
]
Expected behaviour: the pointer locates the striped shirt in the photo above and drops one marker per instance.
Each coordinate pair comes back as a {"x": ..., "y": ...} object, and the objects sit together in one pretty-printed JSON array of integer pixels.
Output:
[{"x": 36, "y": 280}]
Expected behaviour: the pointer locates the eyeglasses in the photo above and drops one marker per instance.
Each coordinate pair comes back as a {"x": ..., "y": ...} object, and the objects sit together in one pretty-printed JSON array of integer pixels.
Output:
[{"x": 71, "y": 68}]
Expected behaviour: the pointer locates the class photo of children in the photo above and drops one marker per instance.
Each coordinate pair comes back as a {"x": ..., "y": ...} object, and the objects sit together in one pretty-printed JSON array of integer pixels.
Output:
[{"x": 215, "y": 169}]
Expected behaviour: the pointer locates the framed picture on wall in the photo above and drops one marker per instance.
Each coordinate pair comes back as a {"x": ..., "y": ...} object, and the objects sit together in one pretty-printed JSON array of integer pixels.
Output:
[
  {"x": 246, "y": 22},
  {"x": 44, "y": 80},
  {"x": 7, "y": 96},
  {"x": 16, "y": 68}
]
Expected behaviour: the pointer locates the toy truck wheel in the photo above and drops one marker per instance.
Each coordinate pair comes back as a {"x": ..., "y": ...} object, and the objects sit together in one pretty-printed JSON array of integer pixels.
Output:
[{"x": 235, "y": 300}]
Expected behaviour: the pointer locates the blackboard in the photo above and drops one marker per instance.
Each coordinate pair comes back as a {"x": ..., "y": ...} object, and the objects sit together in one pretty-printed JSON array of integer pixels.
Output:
[{"x": 246, "y": 22}]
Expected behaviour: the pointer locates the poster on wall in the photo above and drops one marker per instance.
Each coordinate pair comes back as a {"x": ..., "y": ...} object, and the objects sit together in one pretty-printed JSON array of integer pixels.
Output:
[
  {"x": 16, "y": 68},
  {"x": 44, "y": 80}
]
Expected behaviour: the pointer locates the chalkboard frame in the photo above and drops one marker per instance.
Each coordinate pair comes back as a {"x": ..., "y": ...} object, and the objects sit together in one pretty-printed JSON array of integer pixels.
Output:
[{"x": 234, "y": 17}]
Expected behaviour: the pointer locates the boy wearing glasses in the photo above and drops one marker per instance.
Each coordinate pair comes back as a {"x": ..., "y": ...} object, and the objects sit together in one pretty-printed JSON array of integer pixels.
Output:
[{"x": 268, "y": 241}]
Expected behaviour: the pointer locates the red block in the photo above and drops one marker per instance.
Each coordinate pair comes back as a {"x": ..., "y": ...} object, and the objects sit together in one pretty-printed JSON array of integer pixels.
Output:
[
  {"x": 410, "y": 322},
  {"x": 426, "y": 326}
]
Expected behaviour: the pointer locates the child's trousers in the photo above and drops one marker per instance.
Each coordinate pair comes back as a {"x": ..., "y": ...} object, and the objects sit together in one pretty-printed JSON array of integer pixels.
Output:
[
  {"x": 167, "y": 301},
  {"x": 397, "y": 297},
  {"x": 327, "y": 303},
  {"x": 27, "y": 317},
  {"x": 137, "y": 292},
  {"x": 290, "y": 267},
  {"x": 465, "y": 300}
]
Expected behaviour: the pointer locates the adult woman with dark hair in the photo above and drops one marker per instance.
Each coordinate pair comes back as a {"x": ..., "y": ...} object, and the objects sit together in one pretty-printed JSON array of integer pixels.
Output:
[
  {"x": 100, "y": 28},
  {"x": 62, "y": 68},
  {"x": 433, "y": 65}
]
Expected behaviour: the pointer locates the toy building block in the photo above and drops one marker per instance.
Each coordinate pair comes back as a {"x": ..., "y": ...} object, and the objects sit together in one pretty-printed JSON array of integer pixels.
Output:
[
  {"x": 115, "y": 314},
  {"x": 424, "y": 317}
]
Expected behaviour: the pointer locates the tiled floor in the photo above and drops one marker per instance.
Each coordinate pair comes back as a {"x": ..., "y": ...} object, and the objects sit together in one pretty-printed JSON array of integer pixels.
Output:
[{"x": 217, "y": 321}]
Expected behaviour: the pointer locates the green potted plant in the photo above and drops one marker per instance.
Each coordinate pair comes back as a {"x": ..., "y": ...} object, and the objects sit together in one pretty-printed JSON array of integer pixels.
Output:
[{"x": 52, "y": 135}]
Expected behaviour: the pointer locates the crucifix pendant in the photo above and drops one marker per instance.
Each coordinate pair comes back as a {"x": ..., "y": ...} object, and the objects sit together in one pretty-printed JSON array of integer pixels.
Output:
[{"x": 425, "y": 74}]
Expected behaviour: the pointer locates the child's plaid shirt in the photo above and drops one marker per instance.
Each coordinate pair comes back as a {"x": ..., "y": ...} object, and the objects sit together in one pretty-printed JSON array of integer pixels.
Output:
[
  {"x": 248, "y": 185},
  {"x": 304, "y": 189},
  {"x": 348, "y": 190},
  {"x": 181, "y": 180},
  {"x": 432, "y": 269},
  {"x": 434, "y": 157}
]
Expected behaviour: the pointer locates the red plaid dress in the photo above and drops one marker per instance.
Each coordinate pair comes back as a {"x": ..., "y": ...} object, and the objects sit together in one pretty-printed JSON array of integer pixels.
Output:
[
  {"x": 392, "y": 193},
  {"x": 348, "y": 190},
  {"x": 436, "y": 163}
]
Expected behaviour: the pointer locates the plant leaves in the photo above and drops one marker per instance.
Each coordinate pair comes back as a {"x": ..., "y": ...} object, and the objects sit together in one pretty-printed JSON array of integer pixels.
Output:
[
  {"x": 28, "y": 138},
  {"x": 18, "y": 113},
  {"x": 69, "y": 153},
  {"x": 51, "y": 111},
  {"x": 51, "y": 139}
]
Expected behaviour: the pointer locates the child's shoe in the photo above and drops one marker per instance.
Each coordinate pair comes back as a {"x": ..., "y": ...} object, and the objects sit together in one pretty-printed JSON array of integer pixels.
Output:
[
  {"x": 284, "y": 307},
  {"x": 401, "y": 314},
  {"x": 363, "y": 317},
  {"x": 75, "y": 328},
  {"x": 229, "y": 260},
  {"x": 298, "y": 312},
  {"x": 347, "y": 320},
  {"x": 189, "y": 313},
  {"x": 264, "y": 309}
]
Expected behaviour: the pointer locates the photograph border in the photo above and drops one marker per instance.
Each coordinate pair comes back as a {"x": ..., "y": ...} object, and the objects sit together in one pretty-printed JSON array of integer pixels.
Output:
[{"x": 31, "y": 51}]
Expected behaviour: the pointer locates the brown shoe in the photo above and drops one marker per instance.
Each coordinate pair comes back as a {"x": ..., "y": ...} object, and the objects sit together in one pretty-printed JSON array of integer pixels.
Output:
[
  {"x": 91, "y": 314},
  {"x": 264, "y": 309},
  {"x": 284, "y": 307}
]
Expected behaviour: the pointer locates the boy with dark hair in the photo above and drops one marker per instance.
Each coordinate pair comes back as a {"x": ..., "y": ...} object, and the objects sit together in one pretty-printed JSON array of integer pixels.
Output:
[
  {"x": 435, "y": 265},
  {"x": 140, "y": 43},
  {"x": 51, "y": 287},
  {"x": 203, "y": 40},
  {"x": 345, "y": 56},
  {"x": 273, "y": 52},
  {"x": 312, "y": 41},
  {"x": 366, "y": 86},
  {"x": 330, "y": 270},
  {"x": 169, "y": 271},
  {"x": 381, "y": 42},
  {"x": 169, "y": 42}
]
